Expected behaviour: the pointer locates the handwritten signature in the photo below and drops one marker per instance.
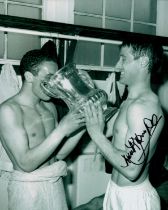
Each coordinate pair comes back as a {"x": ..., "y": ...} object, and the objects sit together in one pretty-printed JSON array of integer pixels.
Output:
[{"x": 135, "y": 143}]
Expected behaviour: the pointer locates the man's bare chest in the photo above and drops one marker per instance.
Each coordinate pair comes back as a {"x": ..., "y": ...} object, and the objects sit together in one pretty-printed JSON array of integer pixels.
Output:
[
  {"x": 120, "y": 128},
  {"x": 38, "y": 125}
]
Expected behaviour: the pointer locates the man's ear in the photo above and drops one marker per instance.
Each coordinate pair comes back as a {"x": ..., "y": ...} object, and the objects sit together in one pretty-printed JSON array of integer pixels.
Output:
[
  {"x": 28, "y": 76},
  {"x": 144, "y": 61}
]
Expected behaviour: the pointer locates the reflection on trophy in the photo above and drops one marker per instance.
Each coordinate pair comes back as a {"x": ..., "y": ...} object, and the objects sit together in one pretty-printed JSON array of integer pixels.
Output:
[{"x": 75, "y": 88}]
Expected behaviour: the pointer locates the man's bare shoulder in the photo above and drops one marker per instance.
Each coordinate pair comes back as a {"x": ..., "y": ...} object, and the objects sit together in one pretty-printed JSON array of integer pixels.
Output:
[
  {"x": 146, "y": 103},
  {"x": 10, "y": 103},
  {"x": 10, "y": 111},
  {"x": 145, "y": 107}
]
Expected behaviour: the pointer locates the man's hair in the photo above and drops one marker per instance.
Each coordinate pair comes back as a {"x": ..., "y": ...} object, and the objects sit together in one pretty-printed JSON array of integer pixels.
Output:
[
  {"x": 32, "y": 60},
  {"x": 153, "y": 51}
]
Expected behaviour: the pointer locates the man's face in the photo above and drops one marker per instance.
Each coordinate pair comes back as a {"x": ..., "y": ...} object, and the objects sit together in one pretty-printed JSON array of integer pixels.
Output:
[
  {"x": 47, "y": 68},
  {"x": 127, "y": 66}
]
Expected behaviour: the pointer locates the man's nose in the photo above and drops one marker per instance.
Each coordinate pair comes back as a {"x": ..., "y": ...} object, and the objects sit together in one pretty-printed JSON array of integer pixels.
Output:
[{"x": 118, "y": 66}]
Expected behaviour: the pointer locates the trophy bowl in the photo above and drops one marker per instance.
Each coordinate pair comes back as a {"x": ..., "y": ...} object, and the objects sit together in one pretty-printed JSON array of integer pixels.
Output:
[{"x": 75, "y": 88}]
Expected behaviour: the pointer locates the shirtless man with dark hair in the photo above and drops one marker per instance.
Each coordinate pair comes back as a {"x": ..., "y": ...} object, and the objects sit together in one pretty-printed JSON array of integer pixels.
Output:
[
  {"x": 135, "y": 130},
  {"x": 34, "y": 140}
]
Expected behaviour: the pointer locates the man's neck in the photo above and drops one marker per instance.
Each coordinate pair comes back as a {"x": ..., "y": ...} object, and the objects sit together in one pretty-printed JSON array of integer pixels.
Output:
[
  {"x": 138, "y": 90},
  {"x": 27, "y": 98}
]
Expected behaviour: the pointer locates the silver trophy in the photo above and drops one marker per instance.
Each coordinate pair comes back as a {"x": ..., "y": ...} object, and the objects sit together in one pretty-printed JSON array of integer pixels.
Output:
[{"x": 75, "y": 88}]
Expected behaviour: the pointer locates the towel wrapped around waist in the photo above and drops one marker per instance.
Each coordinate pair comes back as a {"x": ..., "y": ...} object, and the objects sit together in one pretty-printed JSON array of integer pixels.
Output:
[{"x": 41, "y": 189}]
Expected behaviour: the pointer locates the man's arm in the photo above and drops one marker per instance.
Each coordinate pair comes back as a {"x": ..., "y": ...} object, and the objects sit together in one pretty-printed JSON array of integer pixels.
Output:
[
  {"x": 139, "y": 141},
  {"x": 15, "y": 138},
  {"x": 70, "y": 142}
]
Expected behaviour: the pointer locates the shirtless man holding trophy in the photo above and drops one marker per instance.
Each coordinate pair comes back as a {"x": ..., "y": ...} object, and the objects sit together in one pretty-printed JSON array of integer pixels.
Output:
[
  {"x": 34, "y": 140},
  {"x": 134, "y": 129},
  {"x": 32, "y": 137}
]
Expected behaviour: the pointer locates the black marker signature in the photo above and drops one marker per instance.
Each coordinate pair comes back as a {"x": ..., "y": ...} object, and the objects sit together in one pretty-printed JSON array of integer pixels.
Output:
[{"x": 135, "y": 143}]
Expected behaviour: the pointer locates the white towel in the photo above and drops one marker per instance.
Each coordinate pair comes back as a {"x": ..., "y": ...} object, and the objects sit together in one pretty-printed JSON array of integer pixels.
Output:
[
  {"x": 10, "y": 83},
  {"x": 41, "y": 189}
]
